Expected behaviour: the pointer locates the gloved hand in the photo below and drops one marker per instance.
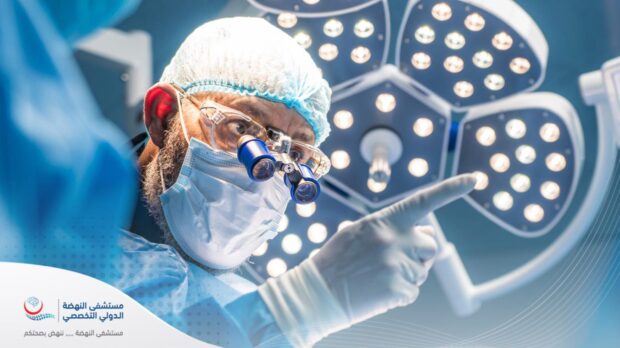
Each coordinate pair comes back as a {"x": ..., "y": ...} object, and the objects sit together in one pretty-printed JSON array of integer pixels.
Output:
[{"x": 371, "y": 266}]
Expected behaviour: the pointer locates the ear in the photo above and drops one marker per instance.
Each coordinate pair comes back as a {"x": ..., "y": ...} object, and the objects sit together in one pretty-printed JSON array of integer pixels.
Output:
[{"x": 160, "y": 105}]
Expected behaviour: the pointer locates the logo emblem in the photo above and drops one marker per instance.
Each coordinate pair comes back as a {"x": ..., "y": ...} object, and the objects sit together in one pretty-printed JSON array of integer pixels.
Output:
[{"x": 34, "y": 308}]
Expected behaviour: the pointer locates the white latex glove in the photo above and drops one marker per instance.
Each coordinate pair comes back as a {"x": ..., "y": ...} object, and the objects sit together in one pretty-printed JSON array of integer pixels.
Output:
[{"x": 371, "y": 266}]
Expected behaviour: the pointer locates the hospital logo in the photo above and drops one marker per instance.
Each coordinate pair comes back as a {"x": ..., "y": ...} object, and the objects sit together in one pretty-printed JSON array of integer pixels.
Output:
[{"x": 34, "y": 309}]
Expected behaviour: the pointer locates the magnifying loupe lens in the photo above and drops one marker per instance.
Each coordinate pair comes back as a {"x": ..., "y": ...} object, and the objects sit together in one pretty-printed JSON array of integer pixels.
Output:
[
  {"x": 263, "y": 169},
  {"x": 306, "y": 192}
]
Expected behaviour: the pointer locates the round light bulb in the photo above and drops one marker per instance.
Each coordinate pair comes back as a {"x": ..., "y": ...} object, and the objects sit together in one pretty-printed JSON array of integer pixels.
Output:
[
  {"x": 442, "y": 11},
  {"x": 485, "y": 136},
  {"x": 283, "y": 224},
  {"x": 305, "y": 210},
  {"x": 516, "y": 128},
  {"x": 418, "y": 167},
  {"x": 317, "y": 233},
  {"x": 555, "y": 162},
  {"x": 276, "y": 266},
  {"x": 454, "y": 64},
  {"x": 425, "y": 34},
  {"x": 550, "y": 132},
  {"x": 520, "y": 182},
  {"x": 333, "y": 28},
  {"x": 312, "y": 2},
  {"x": 455, "y": 40},
  {"x": 525, "y": 154},
  {"x": 423, "y": 127},
  {"x": 344, "y": 224},
  {"x": 550, "y": 190},
  {"x": 463, "y": 89},
  {"x": 421, "y": 60},
  {"x": 303, "y": 39},
  {"x": 385, "y": 102},
  {"x": 376, "y": 186},
  {"x": 291, "y": 244},
  {"x": 360, "y": 54},
  {"x": 363, "y": 28},
  {"x": 474, "y": 22},
  {"x": 534, "y": 213},
  {"x": 343, "y": 119},
  {"x": 483, "y": 59},
  {"x": 328, "y": 52},
  {"x": 340, "y": 159},
  {"x": 502, "y": 200},
  {"x": 261, "y": 250},
  {"x": 482, "y": 181},
  {"x": 287, "y": 20},
  {"x": 500, "y": 162},
  {"x": 502, "y": 41},
  {"x": 494, "y": 82},
  {"x": 520, "y": 65}
]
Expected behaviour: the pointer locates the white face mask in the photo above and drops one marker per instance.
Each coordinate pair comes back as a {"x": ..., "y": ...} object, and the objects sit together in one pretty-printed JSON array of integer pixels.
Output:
[{"x": 215, "y": 212}]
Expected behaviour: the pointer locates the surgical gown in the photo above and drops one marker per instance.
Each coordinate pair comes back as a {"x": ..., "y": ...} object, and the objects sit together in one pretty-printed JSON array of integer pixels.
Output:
[{"x": 67, "y": 183}]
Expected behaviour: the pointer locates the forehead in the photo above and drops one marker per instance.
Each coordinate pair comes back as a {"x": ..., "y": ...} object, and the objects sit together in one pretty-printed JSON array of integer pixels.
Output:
[{"x": 268, "y": 113}]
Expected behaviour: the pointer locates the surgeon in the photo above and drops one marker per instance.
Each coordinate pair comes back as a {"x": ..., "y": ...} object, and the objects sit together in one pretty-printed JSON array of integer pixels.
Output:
[{"x": 232, "y": 83}]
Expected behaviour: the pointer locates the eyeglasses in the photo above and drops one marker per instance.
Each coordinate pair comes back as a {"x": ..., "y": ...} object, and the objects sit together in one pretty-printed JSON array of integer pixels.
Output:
[{"x": 230, "y": 128}]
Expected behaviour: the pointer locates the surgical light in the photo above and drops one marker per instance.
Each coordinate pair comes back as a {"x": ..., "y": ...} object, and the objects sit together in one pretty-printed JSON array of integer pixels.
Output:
[
  {"x": 549, "y": 132},
  {"x": 287, "y": 20},
  {"x": 555, "y": 162},
  {"x": 261, "y": 250},
  {"x": 342, "y": 225},
  {"x": 328, "y": 52},
  {"x": 303, "y": 39},
  {"x": 423, "y": 127},
  {"x": 534, "y": 213},
  {"x": 418, "y": 167},
  {"x": 482, "y": 180},
  {"x": 364, "y": 28},
  {"x": 525, "y": 154},
  {"x": 314, "y": 252},
  {"x": 376, "y": 186},
  {"x": 421, "y": 60},
  {"x": 311, "y": 2},
  {"x": 550, "y": 190},
  {"x": 508, "y": 51},
  {"x": 305, "y": 210},
  {"x": 317, "y": 233},
  {"x": 291, "y": 244},
  {"x": 283, "y": 224},
  {"x": 520, "y": 182},
  {"x": 485, "y": 136},
  {"x": 340, "y": 159},
  {"x": 360, "y": 54},
  {"x": 500, "y": 162},
  {"x": 503, "y": 200},
  {"x": 276, "y": 266},
  {"x": 385, "y": 102},
  {"x": 454, "y": 64},
  {"x": 343, "y": 119},
  {"x": 516, "y": 128},
  {"x": 333, "y": 28}
]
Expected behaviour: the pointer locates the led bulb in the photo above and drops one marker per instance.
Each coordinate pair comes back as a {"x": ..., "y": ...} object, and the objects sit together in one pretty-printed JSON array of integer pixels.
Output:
[
  {"x": 303, "y": 39},
  {"x": 344, "y": 224},
  {"x": 555, "y": 162},
  {"x": 287, "y": 20},
  {"x": 317, "y": 233},
  {"x": 328, "y": 52},
  {"x": 291, "y": 244},
  {"x": 418, "y": 167},
  {"x": 520, "y": 182},
  {"x": 550, "y": 132},
  {"x": 333, "y": 28},
  {"x": 261, "y": 250},
  {"x": 454, "y": 64},
  {"x": 421, "y": 61},
  {"x": 276, "y": 266},
  {"x": 305, "y": 210},
  {"x": 520, "y": 65},
  {"x": 494, "y": 82},
  {"x": 482, "y": 181},
  {"x": 455, "y": 40},
  {"x": 516, "y": 128},
  {"x": 483, "y": 59},
  {"x": 360, "y": 54},
  {"x": 502, "y": 201},
  {"x": 485, "y": 136},
  {"x": 425, "y": 34},
  {"x": 363, "y": 28},
  {"x": 442, "y": 11},
  {"x": 423, "y": 127},
  {"x": 534, "y": 213},
  {"x": 525, "y": 154},
  {"x": 474, "y": 22},
  {"x": 385, "y": 102},
  {"x": 343, "y": 119},
  {"x": 283, "y": 224},
  {"x": 500, "y": 162},
  {"x": 375, "y": 186},
  {"x": 340, "y": 159},
  {"x": 463, "y": 89},
  {"x": 312, "y": 2},
  {"x": 502, "y": 41},
  {"x": 550, "y": 190}
]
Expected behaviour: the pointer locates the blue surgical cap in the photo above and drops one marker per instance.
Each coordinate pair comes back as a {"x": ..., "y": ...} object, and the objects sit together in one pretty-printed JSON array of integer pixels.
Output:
[{"x": 249, "y": 56}]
